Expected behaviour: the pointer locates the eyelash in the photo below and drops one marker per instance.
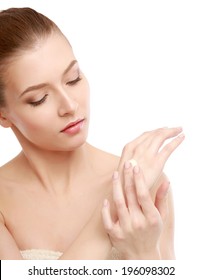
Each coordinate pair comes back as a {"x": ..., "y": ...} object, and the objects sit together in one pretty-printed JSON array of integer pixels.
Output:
[
  {"x": 71, "y": 83},
  {"x": 36, "y": 103}
]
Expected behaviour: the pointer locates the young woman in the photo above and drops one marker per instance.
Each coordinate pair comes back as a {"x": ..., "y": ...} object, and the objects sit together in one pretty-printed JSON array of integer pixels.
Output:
[{"x": 62, "y": 198}]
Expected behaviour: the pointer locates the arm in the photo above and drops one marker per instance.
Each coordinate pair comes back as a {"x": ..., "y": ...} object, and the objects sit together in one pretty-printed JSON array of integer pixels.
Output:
[
  {"x": 8, "y": 246},
  {"x": 167, "y": 236}
]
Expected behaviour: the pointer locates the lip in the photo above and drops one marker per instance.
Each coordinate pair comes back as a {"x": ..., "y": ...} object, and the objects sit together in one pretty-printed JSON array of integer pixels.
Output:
[{"x": 73, "y": 125}]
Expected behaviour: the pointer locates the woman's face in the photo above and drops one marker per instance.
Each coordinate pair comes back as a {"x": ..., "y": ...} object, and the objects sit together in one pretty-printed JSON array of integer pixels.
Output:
[{"x": 45, "y": 93}]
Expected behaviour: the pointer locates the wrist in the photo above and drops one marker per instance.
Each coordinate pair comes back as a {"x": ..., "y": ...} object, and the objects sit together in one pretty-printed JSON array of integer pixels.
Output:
[{"x": 149, "y": 255}]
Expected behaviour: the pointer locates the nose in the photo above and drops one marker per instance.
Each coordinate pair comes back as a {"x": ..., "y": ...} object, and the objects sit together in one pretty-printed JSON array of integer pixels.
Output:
[{"x": 67, "y": 105}]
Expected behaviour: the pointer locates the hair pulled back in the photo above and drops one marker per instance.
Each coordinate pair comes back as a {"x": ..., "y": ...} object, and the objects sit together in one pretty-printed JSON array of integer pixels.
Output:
[{"x": 20, "y": 30}]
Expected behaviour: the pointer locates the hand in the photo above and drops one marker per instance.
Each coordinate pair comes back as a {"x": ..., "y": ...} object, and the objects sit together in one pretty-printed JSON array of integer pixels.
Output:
[
  {"x": 136, "y": 232},
  {"x": 151, "y": 152}
]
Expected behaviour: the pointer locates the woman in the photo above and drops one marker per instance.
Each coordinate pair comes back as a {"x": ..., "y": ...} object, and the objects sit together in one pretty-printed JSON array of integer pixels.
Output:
[{"x": 52, "y": 193}]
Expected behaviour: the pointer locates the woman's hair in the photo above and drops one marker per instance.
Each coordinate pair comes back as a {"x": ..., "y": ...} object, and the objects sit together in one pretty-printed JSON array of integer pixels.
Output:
[{"x": 20, "y": 30}]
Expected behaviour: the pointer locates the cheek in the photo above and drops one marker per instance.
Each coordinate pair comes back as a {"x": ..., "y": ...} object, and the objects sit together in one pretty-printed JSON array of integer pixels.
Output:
[
  {"x": 28, "y": 122},
  {"x": 85, "y": 96}
]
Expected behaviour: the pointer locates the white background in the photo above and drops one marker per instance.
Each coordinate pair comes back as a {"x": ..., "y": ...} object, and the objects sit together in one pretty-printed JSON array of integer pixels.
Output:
[{"x": 143, "y": 63}]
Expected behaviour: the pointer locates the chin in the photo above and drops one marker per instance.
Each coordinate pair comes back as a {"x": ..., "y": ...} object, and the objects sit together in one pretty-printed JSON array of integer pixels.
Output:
[{"x": 73, "y": 144}]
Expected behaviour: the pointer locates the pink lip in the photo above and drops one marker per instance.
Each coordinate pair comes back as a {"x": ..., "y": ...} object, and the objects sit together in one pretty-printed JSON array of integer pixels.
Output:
[{"x": 73, "y": 127}]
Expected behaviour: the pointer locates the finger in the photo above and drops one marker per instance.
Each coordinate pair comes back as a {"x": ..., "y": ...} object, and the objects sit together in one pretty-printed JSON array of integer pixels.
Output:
[
  {"x": 119, "y": 200},
  {"x": 113, "y": 229},
  {"x": 168, "y": 149},
  {"x": 143, "y": 194},
  {"x": 130, "y": 191},
  {"x": 161, "y": 199},
  {"x": 142, "y": 142},
  {"x": 107, "y": 218},
  {"x": 161, "y": 135}
]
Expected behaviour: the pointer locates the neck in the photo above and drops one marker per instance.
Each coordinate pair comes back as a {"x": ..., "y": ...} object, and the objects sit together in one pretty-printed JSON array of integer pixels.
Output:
[{"x": 58, "y": 170}]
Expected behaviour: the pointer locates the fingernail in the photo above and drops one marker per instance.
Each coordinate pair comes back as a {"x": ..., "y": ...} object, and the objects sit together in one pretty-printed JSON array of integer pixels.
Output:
[
  {"x": 115, "y": 175},
  {"x": 127, "y": 165},
  {"x": 136, "y": 169}
]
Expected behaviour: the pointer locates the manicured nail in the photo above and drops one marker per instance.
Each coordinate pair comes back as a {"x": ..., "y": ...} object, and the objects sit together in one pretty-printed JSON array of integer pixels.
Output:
[
  {"x": 127, "y": 165},
  {"x": 115, "y": 175},
  {"x": 136, "y": 169}
]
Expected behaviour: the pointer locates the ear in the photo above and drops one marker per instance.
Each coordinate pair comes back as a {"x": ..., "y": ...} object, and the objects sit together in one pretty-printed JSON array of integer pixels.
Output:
[{"x": 3, "y": 120}]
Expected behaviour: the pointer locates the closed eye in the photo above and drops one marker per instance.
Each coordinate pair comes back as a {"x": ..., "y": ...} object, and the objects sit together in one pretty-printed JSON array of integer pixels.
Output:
[
  {"x": 73, "y": 82},
  {"x": 36, "y": 103}
]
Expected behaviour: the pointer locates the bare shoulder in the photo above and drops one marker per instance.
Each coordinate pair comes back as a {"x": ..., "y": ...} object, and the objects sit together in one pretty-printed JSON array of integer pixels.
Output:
[
  {"x": 105, "y": 162},
  {"x": 12, "y": 171},
  {"x": 8, "y": 183},
  {"x": 6, "y": 178},
  {"x": 104, "y": 165},
  {"x": 8, "y": 168},
  {"x": 3, "y": 192}
]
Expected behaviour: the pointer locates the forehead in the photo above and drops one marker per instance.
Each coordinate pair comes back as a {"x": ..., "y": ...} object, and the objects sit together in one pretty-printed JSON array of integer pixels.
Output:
[{"x": 42, "y": 64}]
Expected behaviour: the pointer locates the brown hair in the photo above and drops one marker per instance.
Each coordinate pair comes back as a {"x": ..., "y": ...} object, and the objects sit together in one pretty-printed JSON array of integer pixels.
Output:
[{"x": 20, "y": 30}]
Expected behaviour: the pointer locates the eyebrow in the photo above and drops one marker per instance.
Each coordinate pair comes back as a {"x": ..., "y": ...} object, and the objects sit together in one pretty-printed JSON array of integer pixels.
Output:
[{"x": 42, "y": 85}]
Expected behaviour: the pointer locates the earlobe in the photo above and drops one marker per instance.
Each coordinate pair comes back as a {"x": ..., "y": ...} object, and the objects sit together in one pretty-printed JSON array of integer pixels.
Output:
[{"x": 4, "y": 121}]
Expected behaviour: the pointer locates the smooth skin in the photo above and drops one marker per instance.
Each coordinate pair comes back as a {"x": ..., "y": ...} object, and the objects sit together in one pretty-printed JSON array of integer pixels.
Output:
[
  {"x": 43, "y": 205},
  {"x": 141, "y": 217}
]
